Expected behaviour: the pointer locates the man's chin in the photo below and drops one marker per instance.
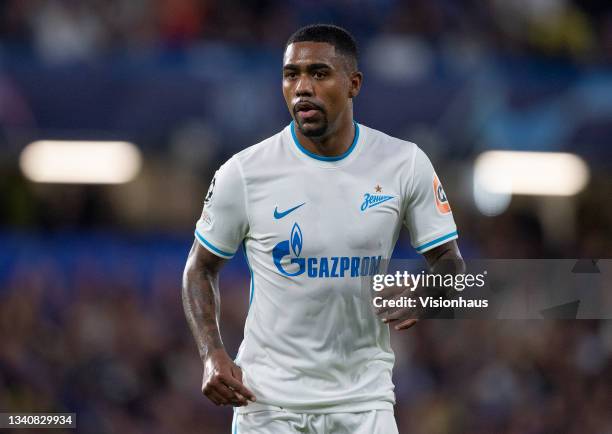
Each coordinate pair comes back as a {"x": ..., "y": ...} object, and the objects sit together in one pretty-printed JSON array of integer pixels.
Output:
[{"x": 312, "y": 129}]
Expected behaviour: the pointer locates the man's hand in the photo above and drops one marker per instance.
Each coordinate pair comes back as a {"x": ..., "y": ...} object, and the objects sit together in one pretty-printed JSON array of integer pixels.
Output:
[
  {"x": 222, "y": 379},
  {"x": 406, "y": 316},
  {"x": 444, "y": 259},
  {"x": 222, "y": 382}
]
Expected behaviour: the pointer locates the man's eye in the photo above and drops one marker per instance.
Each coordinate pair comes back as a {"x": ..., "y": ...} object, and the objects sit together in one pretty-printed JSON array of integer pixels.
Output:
[
  {"x": 319, "y": 75},
  {"x": 290, "y": 75}
]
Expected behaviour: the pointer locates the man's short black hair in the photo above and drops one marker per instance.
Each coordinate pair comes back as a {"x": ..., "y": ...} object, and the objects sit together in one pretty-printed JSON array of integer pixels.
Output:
[{"x": 340, "y": 38}]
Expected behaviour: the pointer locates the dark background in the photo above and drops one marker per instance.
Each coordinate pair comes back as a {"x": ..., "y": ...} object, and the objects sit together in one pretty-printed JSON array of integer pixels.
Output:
[{"x": 90, "y": 313}]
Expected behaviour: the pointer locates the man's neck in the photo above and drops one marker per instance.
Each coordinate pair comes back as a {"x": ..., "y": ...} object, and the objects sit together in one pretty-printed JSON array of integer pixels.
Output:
[{"x": 330, "y": 145}]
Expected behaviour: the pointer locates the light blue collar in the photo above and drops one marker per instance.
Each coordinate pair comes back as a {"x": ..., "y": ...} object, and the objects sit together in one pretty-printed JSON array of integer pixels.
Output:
[{"x": 321, "y": 157}]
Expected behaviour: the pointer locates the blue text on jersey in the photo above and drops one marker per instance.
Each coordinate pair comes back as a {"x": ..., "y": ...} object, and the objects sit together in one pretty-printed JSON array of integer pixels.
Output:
[
  {"x": 370, "y": 200},
  {"x": 321, "y": 266}
]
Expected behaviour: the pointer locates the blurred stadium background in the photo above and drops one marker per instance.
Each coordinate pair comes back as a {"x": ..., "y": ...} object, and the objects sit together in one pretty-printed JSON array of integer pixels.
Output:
[{"x": 90, "y": 314}]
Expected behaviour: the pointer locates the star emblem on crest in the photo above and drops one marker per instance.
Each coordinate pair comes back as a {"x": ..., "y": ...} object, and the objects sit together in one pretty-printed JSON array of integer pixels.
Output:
[{"x": 378, "y": 188}]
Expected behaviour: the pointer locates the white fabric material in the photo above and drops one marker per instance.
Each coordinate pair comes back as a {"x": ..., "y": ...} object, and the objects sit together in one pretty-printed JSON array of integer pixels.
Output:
[
  {"x": 282, "y": 421},
  {"x": 313, "y": 231}
]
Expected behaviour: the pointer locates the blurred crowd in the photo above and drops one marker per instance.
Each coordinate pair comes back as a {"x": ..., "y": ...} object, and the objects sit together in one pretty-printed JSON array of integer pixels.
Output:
[
  {"x": 90, "y": 313},
  {"x": 64, "y": 30},
  {"x": 60, "y": 30},
  {"x": 93, "y": 324},
  {"x": 80, "y": 335},
  {"x": 459, "y": 75}
]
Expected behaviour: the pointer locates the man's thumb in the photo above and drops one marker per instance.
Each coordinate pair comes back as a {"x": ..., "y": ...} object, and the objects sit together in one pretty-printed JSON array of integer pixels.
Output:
[{"x": 237, "y": 372}]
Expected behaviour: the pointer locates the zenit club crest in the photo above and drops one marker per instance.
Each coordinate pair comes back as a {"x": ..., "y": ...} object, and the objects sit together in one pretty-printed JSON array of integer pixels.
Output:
[
  {"x": 441, "y": 199},
  {"x": 372, "y": 200}
]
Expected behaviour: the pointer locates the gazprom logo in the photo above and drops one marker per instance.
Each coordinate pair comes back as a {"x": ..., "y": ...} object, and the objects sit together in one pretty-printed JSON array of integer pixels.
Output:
[
  {"x": 296, "y": 240},
  {"x": 282, "y": 249},
  {"x": 319, "y": 267}
]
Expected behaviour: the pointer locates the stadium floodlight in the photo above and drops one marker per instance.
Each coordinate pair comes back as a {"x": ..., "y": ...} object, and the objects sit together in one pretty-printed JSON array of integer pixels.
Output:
[
  {"x": 500, "y": 174},
  {"x": 531, "y": 173},
  {"x": 80, "y": 162}
]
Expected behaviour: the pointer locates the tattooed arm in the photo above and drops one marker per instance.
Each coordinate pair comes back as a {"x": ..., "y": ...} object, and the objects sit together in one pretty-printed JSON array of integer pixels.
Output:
[{"x": 222, "y": 379}]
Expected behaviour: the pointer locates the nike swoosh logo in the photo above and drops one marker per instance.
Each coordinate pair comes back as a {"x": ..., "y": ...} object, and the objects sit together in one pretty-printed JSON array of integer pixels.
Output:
[{"x": 280, "y": 215}]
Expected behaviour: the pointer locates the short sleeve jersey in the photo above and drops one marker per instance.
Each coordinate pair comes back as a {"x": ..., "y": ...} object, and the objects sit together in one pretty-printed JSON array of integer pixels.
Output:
[{"x": 312, "y": 228}]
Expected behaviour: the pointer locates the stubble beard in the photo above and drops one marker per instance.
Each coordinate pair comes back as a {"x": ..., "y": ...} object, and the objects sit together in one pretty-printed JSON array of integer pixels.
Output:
[{"x": 311, "y": 131}]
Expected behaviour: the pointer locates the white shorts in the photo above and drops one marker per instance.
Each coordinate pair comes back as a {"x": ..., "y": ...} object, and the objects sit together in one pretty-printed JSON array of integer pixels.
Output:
[{"x": 283, "y": 421}]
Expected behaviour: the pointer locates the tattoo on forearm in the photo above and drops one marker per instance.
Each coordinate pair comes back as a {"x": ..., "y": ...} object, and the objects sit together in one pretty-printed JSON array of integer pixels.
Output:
[{"x": 201, "y": 303}]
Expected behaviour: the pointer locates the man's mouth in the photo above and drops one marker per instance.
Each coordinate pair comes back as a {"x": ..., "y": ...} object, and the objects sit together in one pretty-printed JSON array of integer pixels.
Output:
[
  {"x": 307, "y": 114},
  {"x": 306, "y": 110}
]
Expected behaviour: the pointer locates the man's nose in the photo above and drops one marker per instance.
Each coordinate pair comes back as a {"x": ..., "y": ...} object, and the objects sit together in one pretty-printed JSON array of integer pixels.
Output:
[{"x": 304, "y": 87}]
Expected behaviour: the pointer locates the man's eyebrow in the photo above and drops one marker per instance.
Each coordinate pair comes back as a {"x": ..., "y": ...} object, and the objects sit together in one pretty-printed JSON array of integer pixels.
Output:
[
  {"x": 310, "y": 67},
  {"x": 314, "y": 66}
]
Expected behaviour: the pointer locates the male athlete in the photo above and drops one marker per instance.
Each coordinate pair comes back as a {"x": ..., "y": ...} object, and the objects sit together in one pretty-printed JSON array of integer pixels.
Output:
[{"x": 316, "y": 208}]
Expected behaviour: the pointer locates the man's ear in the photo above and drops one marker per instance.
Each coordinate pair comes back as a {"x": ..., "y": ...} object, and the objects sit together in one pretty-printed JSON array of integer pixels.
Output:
[{"x": 356, "y": 79}]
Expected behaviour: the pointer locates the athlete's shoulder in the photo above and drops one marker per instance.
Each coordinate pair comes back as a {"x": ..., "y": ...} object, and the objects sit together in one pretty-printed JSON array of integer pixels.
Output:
[
  {"x": 263, "y": 151},
  {"x": 385, "y": 145}
]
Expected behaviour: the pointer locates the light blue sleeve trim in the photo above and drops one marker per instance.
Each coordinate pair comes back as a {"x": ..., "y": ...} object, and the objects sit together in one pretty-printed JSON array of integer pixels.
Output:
[
  {"x": 439, "y": 240},
  {"x": 212, "y": 248},
  {"x": 250, "y": 271},
  {"x": 322, "y": 157}
]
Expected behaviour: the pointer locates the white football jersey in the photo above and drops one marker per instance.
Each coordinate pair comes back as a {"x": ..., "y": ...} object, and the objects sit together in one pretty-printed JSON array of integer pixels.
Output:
[{"x": 312, "y": 228}]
